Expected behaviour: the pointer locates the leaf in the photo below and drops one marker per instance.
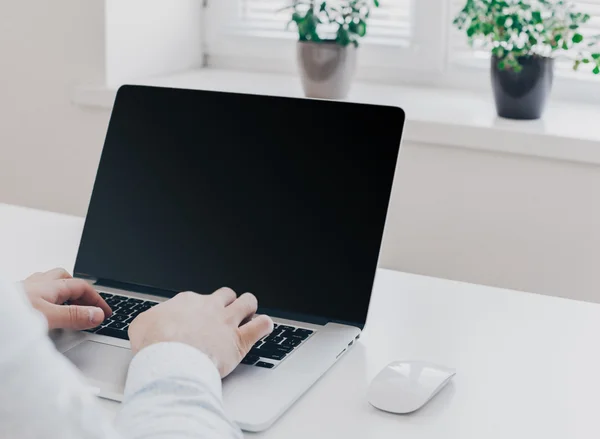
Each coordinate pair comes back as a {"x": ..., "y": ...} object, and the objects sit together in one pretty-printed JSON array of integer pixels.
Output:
[
  {"x": 361, "y": 28},
  {"x": 376, "y": 3},
  {"x": 323, "y": 6},
  {"x": 585, "y": 60},
  {"x": 596, "y": 70},
  {"x": 565, "y": 46},
  {"x": 577, "y": 38},
  {"x": 596, "y": 55},
  {"x": 536, "y": 16},
  {"x": 342, "y": 37},
  {"x": 498, "y": 52},
  {"x": 501, "y": 65}
]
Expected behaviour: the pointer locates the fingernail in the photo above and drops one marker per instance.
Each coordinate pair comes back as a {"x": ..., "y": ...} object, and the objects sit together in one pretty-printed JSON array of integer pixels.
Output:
[{"x": 96, "y": 315}]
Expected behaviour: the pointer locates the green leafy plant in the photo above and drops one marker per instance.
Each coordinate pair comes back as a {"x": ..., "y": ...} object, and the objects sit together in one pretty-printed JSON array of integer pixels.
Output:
[
  {"x": 341, "y": 22},
  {"x": 513, "y": 29}
]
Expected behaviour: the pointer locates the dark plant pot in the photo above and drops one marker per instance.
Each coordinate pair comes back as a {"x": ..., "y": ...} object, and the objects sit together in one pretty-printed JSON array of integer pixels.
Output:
[{"x": 523, "y": 95}]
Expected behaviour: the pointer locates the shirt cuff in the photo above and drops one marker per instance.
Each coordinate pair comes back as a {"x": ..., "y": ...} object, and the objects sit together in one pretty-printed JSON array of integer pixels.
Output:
[{"x": 172, "y": 360}]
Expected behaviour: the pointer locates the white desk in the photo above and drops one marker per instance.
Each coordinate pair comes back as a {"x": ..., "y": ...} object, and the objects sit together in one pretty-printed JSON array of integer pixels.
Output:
[{"x": 528, "y": 365}]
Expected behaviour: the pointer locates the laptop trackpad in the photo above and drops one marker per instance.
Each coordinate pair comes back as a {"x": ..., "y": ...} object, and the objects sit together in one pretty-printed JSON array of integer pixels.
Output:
[{"x": 104, "y": 366}]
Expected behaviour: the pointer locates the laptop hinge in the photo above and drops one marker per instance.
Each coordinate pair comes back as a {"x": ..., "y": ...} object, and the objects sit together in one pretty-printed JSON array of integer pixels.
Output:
[
  {"x": 168, "y": 293},
  {"x": 86, "y": 277},
  {"x": 125, "y": 286},
  {"x": 299, "y": 317}
]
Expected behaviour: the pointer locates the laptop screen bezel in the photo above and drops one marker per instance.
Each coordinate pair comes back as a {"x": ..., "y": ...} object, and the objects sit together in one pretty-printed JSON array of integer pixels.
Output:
[{"x": 394, "y": 133}]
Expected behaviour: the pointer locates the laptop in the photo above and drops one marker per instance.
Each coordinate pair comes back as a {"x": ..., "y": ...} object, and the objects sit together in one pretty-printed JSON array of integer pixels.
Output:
[{"x": 285, "y": 198}]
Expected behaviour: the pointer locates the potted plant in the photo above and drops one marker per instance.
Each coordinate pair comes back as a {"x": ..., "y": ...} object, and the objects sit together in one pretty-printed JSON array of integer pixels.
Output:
[
  {"x": 524, "y": 37},
  {"x": 328, "y": 36}
]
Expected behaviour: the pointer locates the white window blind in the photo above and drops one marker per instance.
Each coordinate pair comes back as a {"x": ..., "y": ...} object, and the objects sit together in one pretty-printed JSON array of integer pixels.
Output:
[
  {"x": 391, "y": 23},
  {"x": 460, "y": 50},
  {"x": 591, "y": 7}
]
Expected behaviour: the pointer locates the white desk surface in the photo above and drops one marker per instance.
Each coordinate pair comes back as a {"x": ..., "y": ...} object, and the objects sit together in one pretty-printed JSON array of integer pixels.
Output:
[{"x": 528, "y": 365}]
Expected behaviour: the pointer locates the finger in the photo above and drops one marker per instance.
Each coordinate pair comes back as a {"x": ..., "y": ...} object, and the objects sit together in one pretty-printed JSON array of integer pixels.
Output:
[
  {"x": 253, "y": 331},
  {"x": 57, "y": 273},
  {"x": 79, "y": 292},
  {"x": 72, "y": 316},
  {"x": 243, "y": 307},
  {"x": 34, "y": 277},
  {"x": 225, "y": 295}
]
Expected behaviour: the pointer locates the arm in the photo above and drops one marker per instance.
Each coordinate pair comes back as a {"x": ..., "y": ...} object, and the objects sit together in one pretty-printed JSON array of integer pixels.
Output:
[
  {"x": 173, "y": 390},
  {"x": 188, "y": 336},
  {"x": 42, "y": 394}
]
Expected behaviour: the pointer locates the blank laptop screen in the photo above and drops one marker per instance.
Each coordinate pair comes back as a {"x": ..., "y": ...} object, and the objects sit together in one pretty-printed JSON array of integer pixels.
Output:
[{"x": 284, "y": 198}]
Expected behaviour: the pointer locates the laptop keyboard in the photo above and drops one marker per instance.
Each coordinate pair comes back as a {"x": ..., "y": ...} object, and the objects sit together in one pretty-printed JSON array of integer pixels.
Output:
[
  {"x": 268, "y": 352},
  {"x": 124, "y": 309}
]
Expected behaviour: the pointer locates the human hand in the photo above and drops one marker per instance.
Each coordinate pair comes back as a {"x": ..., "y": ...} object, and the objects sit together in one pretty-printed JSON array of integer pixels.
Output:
[
  {"x": 48, "y": 291},
  {"x": 220, "y": 325}
]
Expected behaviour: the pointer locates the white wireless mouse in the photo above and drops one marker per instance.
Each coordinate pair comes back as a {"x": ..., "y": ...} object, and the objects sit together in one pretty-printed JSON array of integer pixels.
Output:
[{"x": 406, "y": 386}]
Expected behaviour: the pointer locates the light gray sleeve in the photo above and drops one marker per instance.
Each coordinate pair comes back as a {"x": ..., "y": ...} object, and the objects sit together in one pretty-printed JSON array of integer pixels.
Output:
[
  {"x": 174, "y": 391},
  {"x": 42, "y": 395}
]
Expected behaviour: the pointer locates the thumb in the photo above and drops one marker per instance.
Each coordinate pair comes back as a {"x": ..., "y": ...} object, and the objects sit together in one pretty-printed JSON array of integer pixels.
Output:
[
  {"x": 73, "y": 316},
  {"x": 254, "y": 330}
]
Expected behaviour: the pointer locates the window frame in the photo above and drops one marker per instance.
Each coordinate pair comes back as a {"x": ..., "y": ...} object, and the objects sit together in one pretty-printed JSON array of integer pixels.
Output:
[
  {"x": 431, "y": 59},
  {"x": 233, "y": 45}
]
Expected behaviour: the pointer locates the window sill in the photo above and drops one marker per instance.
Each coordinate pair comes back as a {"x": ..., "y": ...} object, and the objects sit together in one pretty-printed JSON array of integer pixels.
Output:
[{"x": 568, "y": 131}]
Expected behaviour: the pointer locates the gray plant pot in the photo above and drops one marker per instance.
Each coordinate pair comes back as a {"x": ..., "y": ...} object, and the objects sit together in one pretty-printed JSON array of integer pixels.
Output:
[{"x": 326, "y": 69}]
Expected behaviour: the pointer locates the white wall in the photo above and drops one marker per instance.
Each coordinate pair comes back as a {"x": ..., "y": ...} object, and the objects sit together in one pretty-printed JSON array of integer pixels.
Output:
[
  {"x": 159, "y": 41},
  {"x": 497, "y": 219},
  {"x": 49, "y": 148}
]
